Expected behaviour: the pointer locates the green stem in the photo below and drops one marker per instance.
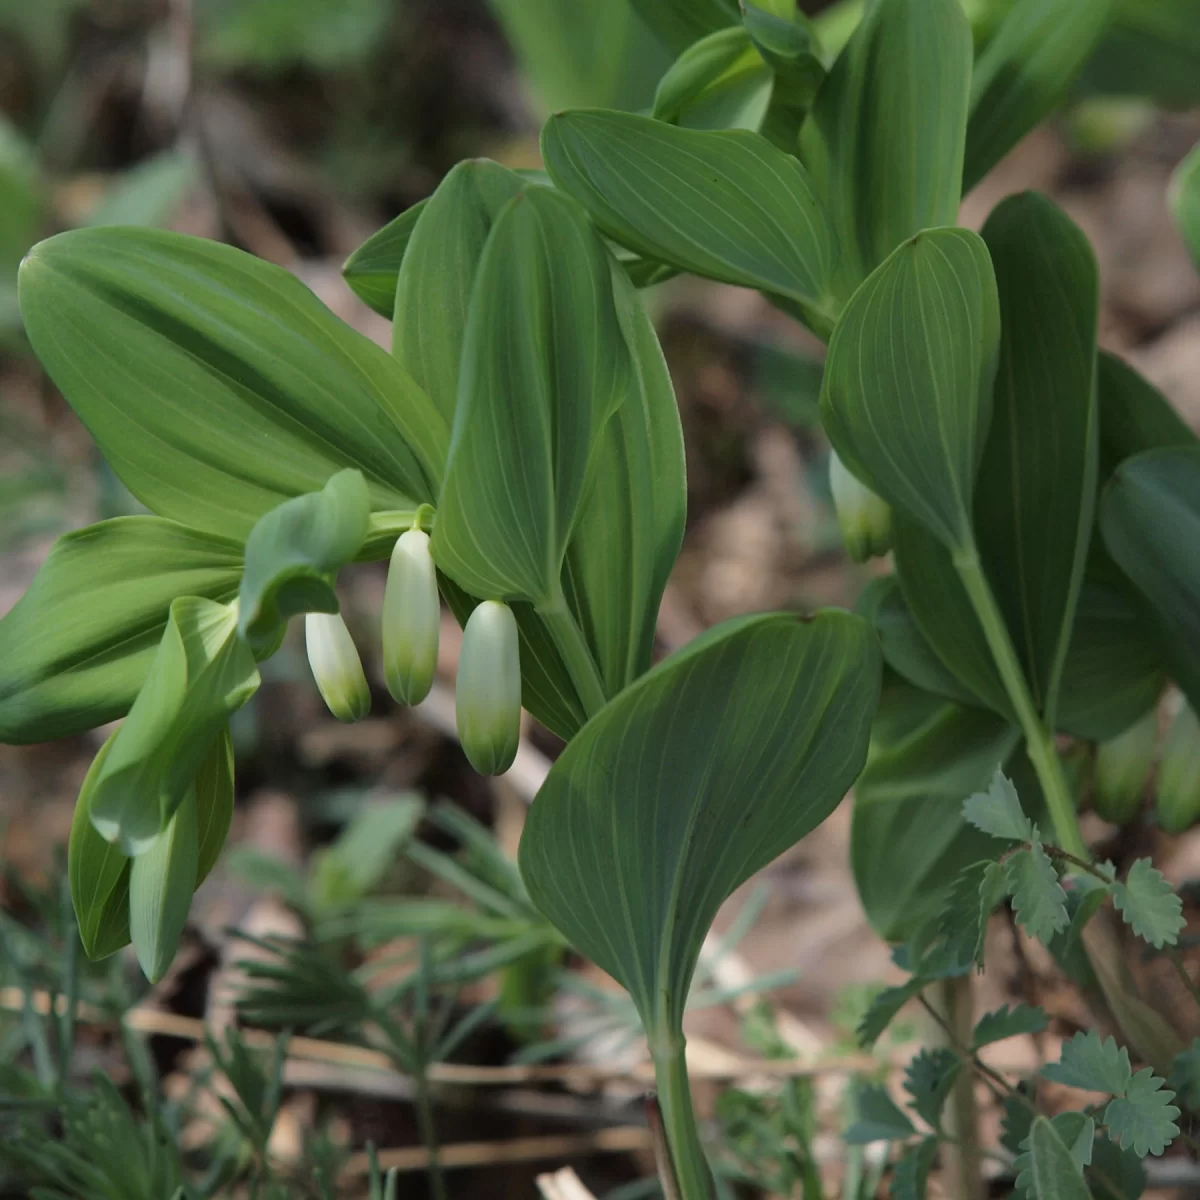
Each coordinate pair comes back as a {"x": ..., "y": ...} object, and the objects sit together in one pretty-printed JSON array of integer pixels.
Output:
[
  {"x": 963, "y": 1164},
  {"x": 576, "y": 655},
  {"x": 425, "y": 1122},
  {"x": 675, "y": 1103},
  {"x": 1039, "y": 742}
]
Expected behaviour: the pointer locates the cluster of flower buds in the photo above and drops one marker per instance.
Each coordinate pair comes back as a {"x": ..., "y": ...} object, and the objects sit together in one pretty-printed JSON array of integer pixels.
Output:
[
  {"x": 865, "y": 518},
  {"x": 489, "y": 674}
]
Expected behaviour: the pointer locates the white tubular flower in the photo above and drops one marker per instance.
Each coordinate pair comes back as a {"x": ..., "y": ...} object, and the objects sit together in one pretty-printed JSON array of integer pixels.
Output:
[
  {"x": 1123, "y": 767},
  {"x": 488, "y": 696},
  {"x": 336, "y": 666},
  {"x": 411, "y": 619},
  {"x": 1179, "y": 774},
  {"x": 865, "y": 518}
]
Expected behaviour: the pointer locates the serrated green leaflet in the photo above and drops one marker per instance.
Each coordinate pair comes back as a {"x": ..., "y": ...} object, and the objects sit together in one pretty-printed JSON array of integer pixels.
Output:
[
  {"x": 1143, "y": 1119},
  {"x": 433, "y": 286},
  {"x": 907, "y": 393},
  {"x": 1006, "y": 1023},
  {"x": 545, "y": 364},
  {"x": 929, "y": 1080},
  {"x": 877, "y": 1118},
  {"x": 1036, "y": 491},
  {"x": 218, "y": 385},
  {"x": 1092, "y": 1063},
  {"x": 678, "y": 23},
  {"x": 909, "y": 839},
  {"x": 293, "y": 553},
  {"x": 1149, "y": 905},
  {"x": 201, "y": 674},
  {"x": 1025, "y": 72},
  {"x": 727, "y": 204},
  {"x": 910, "y": 1180},
  {"x": 1150, "y": 518},
  {"x": 997, "y": 811},
  {"x": 687, "y": 783},
  {"x": 76, "y": 647},
  {"x": 719, "y": 82},
  {"x": 1039, "y": 902},
  {"x": 884, "y": 140},
  {"x": 1185, "y": 201},
  {"x": 1055, "y": 1173}
]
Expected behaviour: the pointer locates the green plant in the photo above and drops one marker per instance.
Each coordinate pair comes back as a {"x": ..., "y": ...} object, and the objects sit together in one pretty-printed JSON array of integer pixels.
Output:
[{"x": 1044, "y": 504}]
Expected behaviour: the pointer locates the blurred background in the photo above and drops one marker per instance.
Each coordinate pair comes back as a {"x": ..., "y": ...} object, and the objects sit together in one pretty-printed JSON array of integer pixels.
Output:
[{"x": 294, "y": 129}]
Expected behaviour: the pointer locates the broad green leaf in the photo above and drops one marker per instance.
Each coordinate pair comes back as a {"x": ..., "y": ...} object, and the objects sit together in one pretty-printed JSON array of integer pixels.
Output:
[
  {"x": 76, "y": 647},
  {"x": 1134, "y": 415},
  {"x": 1143, "y": 1119},
  {"x": 631, "y": 524},
  {"x": 1151, "y": 50},
  {"x": 998, "y": 813},
  {"x": 678, "y": 23},
  {"x": 294, "y": 552},
  {"x": 878, "y": 1118},
  {"x": 1039, "y": 902},
  {"x": 929, "y": 1079},
  {"x": 1185, "y": 201},
  {"x": 201, "y": 674},
  {"x": 1150, "y": 518},
  {"x": 789, "y": 42},
  {"x": 1035, "y": 497},
  {"x": 1056, "y": 1174},
  {"x": 371, "y": 271},
  {"x": 161, "y": 882},
  {"x": 20, "y": 199},
  {"x": 719, "y": 82},
  {"x": 218, "y": 385},
  {"x": 726, "y": 204},
  {"x": 1025, "y": 72},
  {"x": 884, "y": 140},
  {"x": 433, "y": 287},
  {"x": 1150, "y": 905},
  {"x": 693, "y": 778},
  {"x": 907, "y": 394},
  {"x": 1006, "y": 1023},
  {"x": 1115, "y": 1174},
  {"x": 1093, "y": 1064},
  {"x": 214, "y": 804},
  {"x": 545, "y": 365},
  {"x": 909, "y": 840}
]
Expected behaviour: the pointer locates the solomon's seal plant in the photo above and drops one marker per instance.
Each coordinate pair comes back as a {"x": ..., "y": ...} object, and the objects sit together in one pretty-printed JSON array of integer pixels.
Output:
[{"x": 519, "y": 453}]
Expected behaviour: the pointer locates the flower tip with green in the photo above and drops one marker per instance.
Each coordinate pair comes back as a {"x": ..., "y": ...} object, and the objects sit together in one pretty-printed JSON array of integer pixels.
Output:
[
  {"x": 1179, "y": 774},
  {"x": 488, "y": 693},
  {"x": 411, "y": 619},
  {"x": 1123, "y": 766},
  {"x": 865, "y": 518},
  {"x": 336, "y": 666}
]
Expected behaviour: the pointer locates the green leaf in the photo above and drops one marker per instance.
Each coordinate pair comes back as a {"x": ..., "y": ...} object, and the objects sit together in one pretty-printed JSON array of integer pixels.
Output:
[
  {"x": 76, "y": 647},
  {"x": 678, "y": 23},
  {"x": 962, "y": 925},
  {"x": 365, "y": 850},
  {"x": 929, "y": 1080},
  {"x": 161, "y": 882},
  {"x": 201, "y": 674},
  {"x": 1078, "y": 1134},
  {"x": 789, "y": 43},
  {"x": 719, "y": 82},
  {"x": 727, "y": 205},
  {"x": 1036, "y": 492},
  {"x": 1039, "y": 901},
  {"x": 884, "y": 140},
  {"x": 1150, "y": 905},
  {"x": 214, "y": 804},
  {"x": 433, "y": 286},
  {"x": 1150, "y": 518},
  {"x": 1016, "y": 1124},
  {"x": 1134, "y": 415},
  {"x": 878, "y": 1119},
  {"x": 910, "y": 1179},
  {"x": 147, "y": 194},
  {"x": 293, "y": 553},
  {"x": 1025, "y": 72},
  {"x": 998, "y": 813},
  {"x": 1185, "y": 1076},
  {"x": 545, "y": 365},
  {"x": 909, "y": 839},
  {"x": 1150, "y": 51},
  {"x": 1006, "y": 1023},
  {"x": 1114, "y": 1173},
  {"x": 218, "y": 385},
  {"x": 907, "y": 394},
  {"x": 1056, "y": 1174},
  {"x": 1143, "y": 1120},
  {"x": 371, "y": 271},
  {"x": 642, "y": 828},
  {"x": 1092, "y": 1064},
  {"x": 21, "y": 202},
  {"x": 884, "y": 1009}
]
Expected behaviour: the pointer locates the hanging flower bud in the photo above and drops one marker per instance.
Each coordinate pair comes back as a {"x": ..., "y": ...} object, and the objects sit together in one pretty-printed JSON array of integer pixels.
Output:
[
  {"x": 1179, "y": 774},
  {"x": 1123, "y": 768},
  {"x": 865, "y": 518},
  {"x": 411, "y": 619},
  {"x": 489, "y": 689},
  {"x": 336, "y": 666}
]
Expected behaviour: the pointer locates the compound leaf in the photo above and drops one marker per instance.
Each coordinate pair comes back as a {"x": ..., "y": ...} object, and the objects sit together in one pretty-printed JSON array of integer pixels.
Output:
[
  {"x": 1144, "y": 1119},
  {"x": 1092, "y": 1064}
]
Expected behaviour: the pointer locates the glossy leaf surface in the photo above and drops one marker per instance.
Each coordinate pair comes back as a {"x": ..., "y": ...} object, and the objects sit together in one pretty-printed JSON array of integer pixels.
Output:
[
  {"x": 218, "y": 385},
  {"x": 76, "y": 647},
  {"x": 678, "y": 23},
  {"x": 698, "y": 775}
]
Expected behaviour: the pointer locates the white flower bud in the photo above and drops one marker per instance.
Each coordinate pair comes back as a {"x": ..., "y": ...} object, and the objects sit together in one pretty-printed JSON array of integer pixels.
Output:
[
  {"x": 336, "y": 666},
  {"x": 865, "y": 518},
  {"x": 1179, "y": 774},
  {"x": 488, "y": 694},
  {"x": 411, "y": 619},
  {"x": 1123, "y": 765}
]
